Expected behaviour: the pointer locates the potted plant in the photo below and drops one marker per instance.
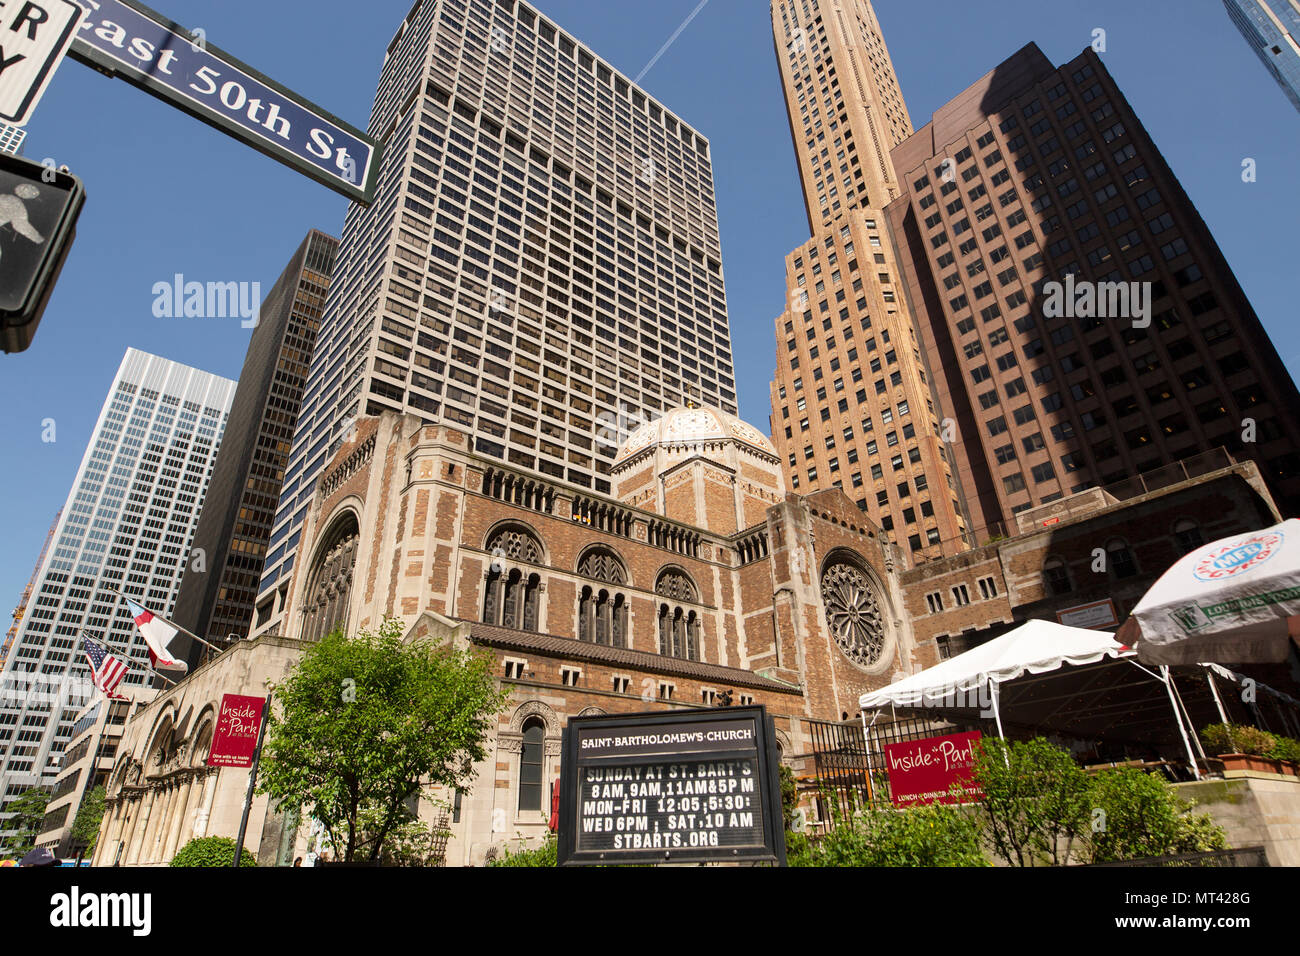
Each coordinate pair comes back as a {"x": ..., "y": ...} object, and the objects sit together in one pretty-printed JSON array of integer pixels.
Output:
[
  {"x": 1241, "y": 747},
  {"x": 1286, "y": 750}
]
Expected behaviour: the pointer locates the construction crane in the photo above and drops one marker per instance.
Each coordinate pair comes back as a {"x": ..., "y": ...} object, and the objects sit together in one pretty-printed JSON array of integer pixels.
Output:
[{"x": 21, "y": 609}]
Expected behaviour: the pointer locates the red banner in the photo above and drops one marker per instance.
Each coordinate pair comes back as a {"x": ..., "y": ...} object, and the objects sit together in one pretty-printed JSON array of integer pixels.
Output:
[
  {"x": 235, "y": 736},
  {"x": 922, "y": 771}
]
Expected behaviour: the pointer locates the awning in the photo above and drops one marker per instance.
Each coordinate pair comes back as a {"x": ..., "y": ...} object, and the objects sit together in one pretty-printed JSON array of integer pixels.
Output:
[
  {"x": 1033, "y": 648},
  {"x": 1105, "y": 692},
  {"x": 1235, "y": 600}
]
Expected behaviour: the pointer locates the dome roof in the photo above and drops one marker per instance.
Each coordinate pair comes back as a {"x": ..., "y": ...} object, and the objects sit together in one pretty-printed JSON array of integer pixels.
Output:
[{"x": 683, "y": 425}]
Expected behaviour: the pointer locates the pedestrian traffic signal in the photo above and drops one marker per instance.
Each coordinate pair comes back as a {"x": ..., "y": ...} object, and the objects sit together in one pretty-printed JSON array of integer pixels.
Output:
[{"x": 39, "y": 206}]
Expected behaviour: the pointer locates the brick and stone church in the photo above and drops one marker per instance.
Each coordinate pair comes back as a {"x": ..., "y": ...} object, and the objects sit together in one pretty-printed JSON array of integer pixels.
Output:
[{"x": 699, "y": 579}]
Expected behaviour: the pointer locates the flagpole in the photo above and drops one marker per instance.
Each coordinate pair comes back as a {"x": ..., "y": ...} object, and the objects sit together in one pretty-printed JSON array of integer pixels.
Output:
[
  {"x": 171, "y": 622},
  {"x": 252, "y": 780}
]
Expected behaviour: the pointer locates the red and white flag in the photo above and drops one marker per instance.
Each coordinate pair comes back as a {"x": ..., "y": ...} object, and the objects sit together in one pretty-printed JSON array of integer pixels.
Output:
[
  {"x": 106, "y": 671},
  {"x": 157, "y": 632}
]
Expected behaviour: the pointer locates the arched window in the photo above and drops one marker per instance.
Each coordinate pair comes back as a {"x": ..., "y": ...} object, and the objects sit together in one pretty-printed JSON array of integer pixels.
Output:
[
  {"x": 1056, "y": 577},
  {"x": 679, "y": 627},
  {"x": 530, "y": 765},
  {"x": 1187, "y": 534},
  {"x": 603, "y": 565},
  {"x": 512, "y": 595},
  {"x": 603, "y": 612},
  {"x": 676, "y": 584},
  {"x": 330, "y": 583},
  {"x": 679, "y": 633},
  {"x": 1121, "y": 560}
]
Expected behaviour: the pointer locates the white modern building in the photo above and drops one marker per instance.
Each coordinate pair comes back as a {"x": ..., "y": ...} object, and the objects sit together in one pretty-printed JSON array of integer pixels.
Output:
[
  {"x": 127, "y": 527},
  {"x": 540, "y": 268},
  {"x": 11, "y": 138}
]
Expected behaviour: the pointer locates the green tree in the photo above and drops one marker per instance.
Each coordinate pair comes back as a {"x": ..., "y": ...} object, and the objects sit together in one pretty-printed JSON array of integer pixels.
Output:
[
  {"x": 364, "y": 722},
  {"x": 1139, "y": 815},
  {"x": 28, "y": 809},
  {"x": 211, "y": 851},
  {"x": 85, "y": 827},
  {"x": 1036, "y": 801}
]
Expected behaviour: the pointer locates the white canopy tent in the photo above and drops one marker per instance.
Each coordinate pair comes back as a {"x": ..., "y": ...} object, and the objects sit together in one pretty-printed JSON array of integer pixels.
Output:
[
  {"x": 974, "y": 680},
  {"x": 1235, "y": 600}
]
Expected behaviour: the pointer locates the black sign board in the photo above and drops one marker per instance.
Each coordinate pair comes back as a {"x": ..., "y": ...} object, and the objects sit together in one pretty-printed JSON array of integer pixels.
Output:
[
  {"x": 39, "y": 206},
  {"x": 678, "y": 787}
]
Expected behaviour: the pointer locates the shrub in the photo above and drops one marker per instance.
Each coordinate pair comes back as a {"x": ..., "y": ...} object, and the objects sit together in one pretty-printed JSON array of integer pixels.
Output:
[
  {"x": 1137, "y": 814},
  {"x": 1236, "y": 739},
  {"x": 933, "y": 835},
  {"x": 211, "y": 851},
  {"x": 1285, "y": 748},
  {"x": 544, "y": 855}
]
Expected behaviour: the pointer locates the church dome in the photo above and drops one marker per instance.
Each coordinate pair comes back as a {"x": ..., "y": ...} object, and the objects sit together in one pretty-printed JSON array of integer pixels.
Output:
[{"x": 690, "y": 426}]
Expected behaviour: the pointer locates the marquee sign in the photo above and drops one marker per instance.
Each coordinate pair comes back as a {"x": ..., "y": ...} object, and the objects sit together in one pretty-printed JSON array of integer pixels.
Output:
[
  {"x": 679, "y": 787},
  {"x": 126, "y": 39}
]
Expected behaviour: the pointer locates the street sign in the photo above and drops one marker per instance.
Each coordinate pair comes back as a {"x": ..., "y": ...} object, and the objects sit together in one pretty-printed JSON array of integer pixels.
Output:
[
  {"x": 670, "y": 787},
  {"x": 127, "y": 39},
  {"x": 39, "y": 207},
  {"x": 34, "y": 36}
]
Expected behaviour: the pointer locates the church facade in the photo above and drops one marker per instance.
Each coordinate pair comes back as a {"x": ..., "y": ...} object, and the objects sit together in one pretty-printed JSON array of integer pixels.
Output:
[
  {"x": 700, "y": 580},
  {"x": 699, "y": 577}
]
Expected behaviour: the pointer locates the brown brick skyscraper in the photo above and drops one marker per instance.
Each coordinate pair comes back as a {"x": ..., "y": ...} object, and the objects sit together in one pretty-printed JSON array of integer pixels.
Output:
[
  {"x": 851, "y": 400},
  {"x": 1081, "y": 322}
]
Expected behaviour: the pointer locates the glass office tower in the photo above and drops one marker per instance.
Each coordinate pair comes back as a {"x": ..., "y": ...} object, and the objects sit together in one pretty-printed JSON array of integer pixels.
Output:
[
  {"x": 127, "y": 525},
  {"x": 1272, "y": 28}
]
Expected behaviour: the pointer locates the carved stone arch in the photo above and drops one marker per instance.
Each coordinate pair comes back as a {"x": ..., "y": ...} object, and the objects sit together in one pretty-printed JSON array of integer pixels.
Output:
[
  {"x": 160, "y": 735},
  {"x": 535, "y": 708},
  {"x": 592, "y": 711},
  {"x": 783, "y": 740},
  {"x": 603, "y": 563},
  {"x": 512, "y": 740},
  {"x": 857, "y": 610},
  {"x": 327, "y": 596},
  {"x": 120, "y": 775},
  {"x": 201, "y": 739},
  {"x": 517, "y": 540},
  {"x": 675, "y": 583}
]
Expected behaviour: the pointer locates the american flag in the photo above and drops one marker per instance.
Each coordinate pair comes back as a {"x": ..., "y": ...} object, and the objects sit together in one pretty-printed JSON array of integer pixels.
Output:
[{"x": 105, "y": 669}]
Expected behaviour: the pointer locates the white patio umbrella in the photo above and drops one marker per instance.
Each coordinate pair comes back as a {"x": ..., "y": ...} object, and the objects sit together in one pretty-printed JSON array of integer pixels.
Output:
[{"x": 1235, "y": 600}]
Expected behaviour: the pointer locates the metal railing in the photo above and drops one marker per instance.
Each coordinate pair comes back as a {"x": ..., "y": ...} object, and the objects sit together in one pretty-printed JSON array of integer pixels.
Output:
[{"x": 1241, "y": 856}]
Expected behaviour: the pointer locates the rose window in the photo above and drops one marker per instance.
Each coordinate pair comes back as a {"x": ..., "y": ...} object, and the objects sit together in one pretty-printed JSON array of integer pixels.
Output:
[{"x": 853, "y": 613}]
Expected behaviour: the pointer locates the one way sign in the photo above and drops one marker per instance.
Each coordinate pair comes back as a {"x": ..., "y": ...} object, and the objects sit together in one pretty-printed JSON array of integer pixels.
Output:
[{"x": 34, "y": 35}]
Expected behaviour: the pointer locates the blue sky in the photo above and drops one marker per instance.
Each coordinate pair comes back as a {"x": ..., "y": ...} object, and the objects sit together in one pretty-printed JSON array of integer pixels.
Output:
[{"x": 167, "y": 194}]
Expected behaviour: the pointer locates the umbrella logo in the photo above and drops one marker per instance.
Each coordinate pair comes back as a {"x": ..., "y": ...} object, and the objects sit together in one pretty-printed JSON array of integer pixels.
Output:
[
  {"x": 1190, "y": 618},
  {"x": 1233, "y": 559}
]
